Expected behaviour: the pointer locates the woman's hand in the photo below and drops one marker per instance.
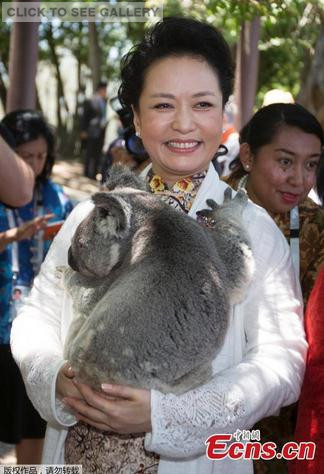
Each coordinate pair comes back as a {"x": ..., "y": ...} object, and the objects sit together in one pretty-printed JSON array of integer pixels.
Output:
[
  {"x": 29, "y": 228},
  {"x": 117, "y": 408},
  {"x": 24, "y": 231},
  {"x": 64, "y": 384}
]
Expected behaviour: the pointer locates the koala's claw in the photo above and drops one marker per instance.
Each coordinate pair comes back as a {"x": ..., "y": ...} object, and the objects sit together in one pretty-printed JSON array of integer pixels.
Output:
[
  {"x": 205, "y": 213},
  {"x": 227, "y": 194},
  {"x": 240, "y": 197},
  {"x": 208, "y": 213},
  {"x": 242, "y": 194},
  {"x": 212, "y": 204}
]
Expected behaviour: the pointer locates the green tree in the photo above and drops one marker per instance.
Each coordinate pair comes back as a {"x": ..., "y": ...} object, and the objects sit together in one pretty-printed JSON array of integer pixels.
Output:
[{"x": 290, "y": 31}]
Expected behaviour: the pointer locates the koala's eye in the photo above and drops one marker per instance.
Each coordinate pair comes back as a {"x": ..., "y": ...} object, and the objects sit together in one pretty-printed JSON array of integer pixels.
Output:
[{"x": 103, "y": 212}]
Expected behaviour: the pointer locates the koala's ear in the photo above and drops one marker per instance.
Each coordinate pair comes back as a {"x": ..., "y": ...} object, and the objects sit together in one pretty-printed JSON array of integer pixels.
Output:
[
  {"x": 113, "y": 209},
  {"x": 120, "y": 176}
]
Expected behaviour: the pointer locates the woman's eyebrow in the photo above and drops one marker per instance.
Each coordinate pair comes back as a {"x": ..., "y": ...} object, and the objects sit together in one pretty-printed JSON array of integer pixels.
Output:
[
  {"x": 289, "y": 152},
  {"x": 285, "y": 151},
  {"x": 163, "y": 94},
  {"x": 203, "y": 93},
  {"x": 171, "y": 96}
]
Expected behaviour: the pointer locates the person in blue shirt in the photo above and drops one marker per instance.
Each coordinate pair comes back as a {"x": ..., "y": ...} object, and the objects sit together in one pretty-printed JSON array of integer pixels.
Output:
[{"x": 24, "y": 244}]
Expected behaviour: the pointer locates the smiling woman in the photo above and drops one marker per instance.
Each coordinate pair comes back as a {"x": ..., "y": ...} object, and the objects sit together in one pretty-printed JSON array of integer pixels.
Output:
[
  {"x": 179, "y": 116},
  {"x": 289, "y": 162},
  {"x": 175, "y": 82},
  {"x": 281, "y": 153}
]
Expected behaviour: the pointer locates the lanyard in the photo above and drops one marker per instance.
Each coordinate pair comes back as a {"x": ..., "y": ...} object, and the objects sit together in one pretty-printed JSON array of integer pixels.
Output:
[
  {"x": 15, "y": 260},
  {"x": 37, "y": 249},
  {"x": 294, "y": 239},
  {"x": 294, "y": 231}
]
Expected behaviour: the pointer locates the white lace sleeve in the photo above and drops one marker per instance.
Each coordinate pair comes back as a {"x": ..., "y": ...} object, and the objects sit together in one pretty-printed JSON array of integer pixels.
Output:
[
  {"x": 268, "y": 376},
  {"x": 38, "y": 331}
]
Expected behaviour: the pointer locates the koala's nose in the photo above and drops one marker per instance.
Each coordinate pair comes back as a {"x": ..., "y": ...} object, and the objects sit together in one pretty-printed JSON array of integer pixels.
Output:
[{"x": 71, "y": 260}]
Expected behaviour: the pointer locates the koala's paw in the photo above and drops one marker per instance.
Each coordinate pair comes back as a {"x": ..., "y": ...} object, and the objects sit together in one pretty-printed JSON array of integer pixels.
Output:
[
  {"x": 209, "y": 213},
  {"x": 241, "y": 197},
  {"x": 231, "y": 209},
  {"x": 227, "y": 195},
  {"x": 212, "y": 204}
]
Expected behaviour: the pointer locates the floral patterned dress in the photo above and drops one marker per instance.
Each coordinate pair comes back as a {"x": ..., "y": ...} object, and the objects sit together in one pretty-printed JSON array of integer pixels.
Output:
[
  {"x": 311, "y": 217},
  {"x": 107, "y": 452}
]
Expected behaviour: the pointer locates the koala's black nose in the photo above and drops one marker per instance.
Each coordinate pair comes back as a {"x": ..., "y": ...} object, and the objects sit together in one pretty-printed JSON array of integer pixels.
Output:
[{"x": 71, "y": 260}]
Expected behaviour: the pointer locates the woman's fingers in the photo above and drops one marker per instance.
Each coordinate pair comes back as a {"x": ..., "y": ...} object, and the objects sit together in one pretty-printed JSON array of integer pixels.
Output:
[
  {"x": 120, "y": 408},
  {"x": 89, "y": 414},
  {"x": 64, "y": 383},
  {"x": 119, "y": 391},
  {"x": 29, "y": 228},
  {"x": 91, "y": 397},
  {"x": 68, "y": 371}
]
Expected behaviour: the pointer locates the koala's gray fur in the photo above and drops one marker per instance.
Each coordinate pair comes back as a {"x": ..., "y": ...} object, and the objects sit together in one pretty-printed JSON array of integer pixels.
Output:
[{"x": 151, "y": 288}]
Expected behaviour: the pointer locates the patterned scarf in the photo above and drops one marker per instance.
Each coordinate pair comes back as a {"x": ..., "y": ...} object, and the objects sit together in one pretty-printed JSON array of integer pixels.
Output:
[{"x": 182, "y": 194}]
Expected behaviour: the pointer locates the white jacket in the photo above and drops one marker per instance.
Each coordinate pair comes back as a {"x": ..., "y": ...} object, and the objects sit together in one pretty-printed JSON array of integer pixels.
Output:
[{"x": 259, "y": 368}]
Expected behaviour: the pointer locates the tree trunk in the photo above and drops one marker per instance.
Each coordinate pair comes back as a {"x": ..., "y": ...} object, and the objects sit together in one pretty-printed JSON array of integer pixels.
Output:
[
  {"x": 22, "y": 66},
  {"x": 94, "y": 54},
  {"x": 3, "y": 92},
  {"x": 246, "y": 74},
  {"x": 311, "y": 94},
  {"x": 60, "y": 96},
  {"x": 79, "y": 98},
  {"x": 80, "y": 91},
  {"x": 38, "y": 104}
]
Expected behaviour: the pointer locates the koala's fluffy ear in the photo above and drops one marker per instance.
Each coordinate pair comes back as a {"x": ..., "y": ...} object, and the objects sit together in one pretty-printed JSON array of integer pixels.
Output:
[
  {"x": 121, "y": 176},
  {"x": 113, "y": 211}
]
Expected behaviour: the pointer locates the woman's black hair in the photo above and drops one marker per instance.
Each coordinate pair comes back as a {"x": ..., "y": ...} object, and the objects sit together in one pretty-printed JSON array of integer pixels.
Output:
[
  {"x": 263, "y": 127},
  {"x": 175, "y": 36},
  {"x": 7, "y": 136},
  {"x": 26, "y": 125},
  {"x": 266, "y": 122}
]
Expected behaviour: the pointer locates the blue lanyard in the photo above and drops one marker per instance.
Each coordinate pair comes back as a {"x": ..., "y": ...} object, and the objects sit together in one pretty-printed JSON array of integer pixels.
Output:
[
  {"x": 14, "y": 253},
  {"x": 37, "y": 249}
]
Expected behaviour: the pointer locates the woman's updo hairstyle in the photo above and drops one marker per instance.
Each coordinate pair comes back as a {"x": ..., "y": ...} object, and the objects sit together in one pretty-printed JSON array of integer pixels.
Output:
[{"x": 175, "y": 37}]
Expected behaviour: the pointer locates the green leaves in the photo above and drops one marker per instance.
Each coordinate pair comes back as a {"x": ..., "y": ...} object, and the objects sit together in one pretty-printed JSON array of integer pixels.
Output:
[{"x": 289, "y": 30}]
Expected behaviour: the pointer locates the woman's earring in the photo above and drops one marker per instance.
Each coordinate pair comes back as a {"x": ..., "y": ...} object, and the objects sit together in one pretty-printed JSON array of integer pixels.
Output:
[
  {"x": 247, "y": 167},
  {"x": 138, "y": 134}
]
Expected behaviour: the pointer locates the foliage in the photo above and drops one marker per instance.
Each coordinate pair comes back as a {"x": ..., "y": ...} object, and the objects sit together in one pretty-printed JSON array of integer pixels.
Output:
[
  {"x": 287, "y": 45},
  {"x": 289, "y": 29}
]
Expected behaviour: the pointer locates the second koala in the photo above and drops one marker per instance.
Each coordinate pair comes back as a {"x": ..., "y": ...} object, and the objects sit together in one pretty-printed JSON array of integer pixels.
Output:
[{"x": 152, "y": 289}]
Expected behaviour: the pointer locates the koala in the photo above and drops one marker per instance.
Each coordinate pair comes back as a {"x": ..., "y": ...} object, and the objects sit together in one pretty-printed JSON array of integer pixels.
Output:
[{"x": 152, "y": 289}]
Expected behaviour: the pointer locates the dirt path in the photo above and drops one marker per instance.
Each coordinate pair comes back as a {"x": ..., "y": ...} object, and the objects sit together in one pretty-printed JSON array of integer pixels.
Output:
[{"x": 70, "y": 175}]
